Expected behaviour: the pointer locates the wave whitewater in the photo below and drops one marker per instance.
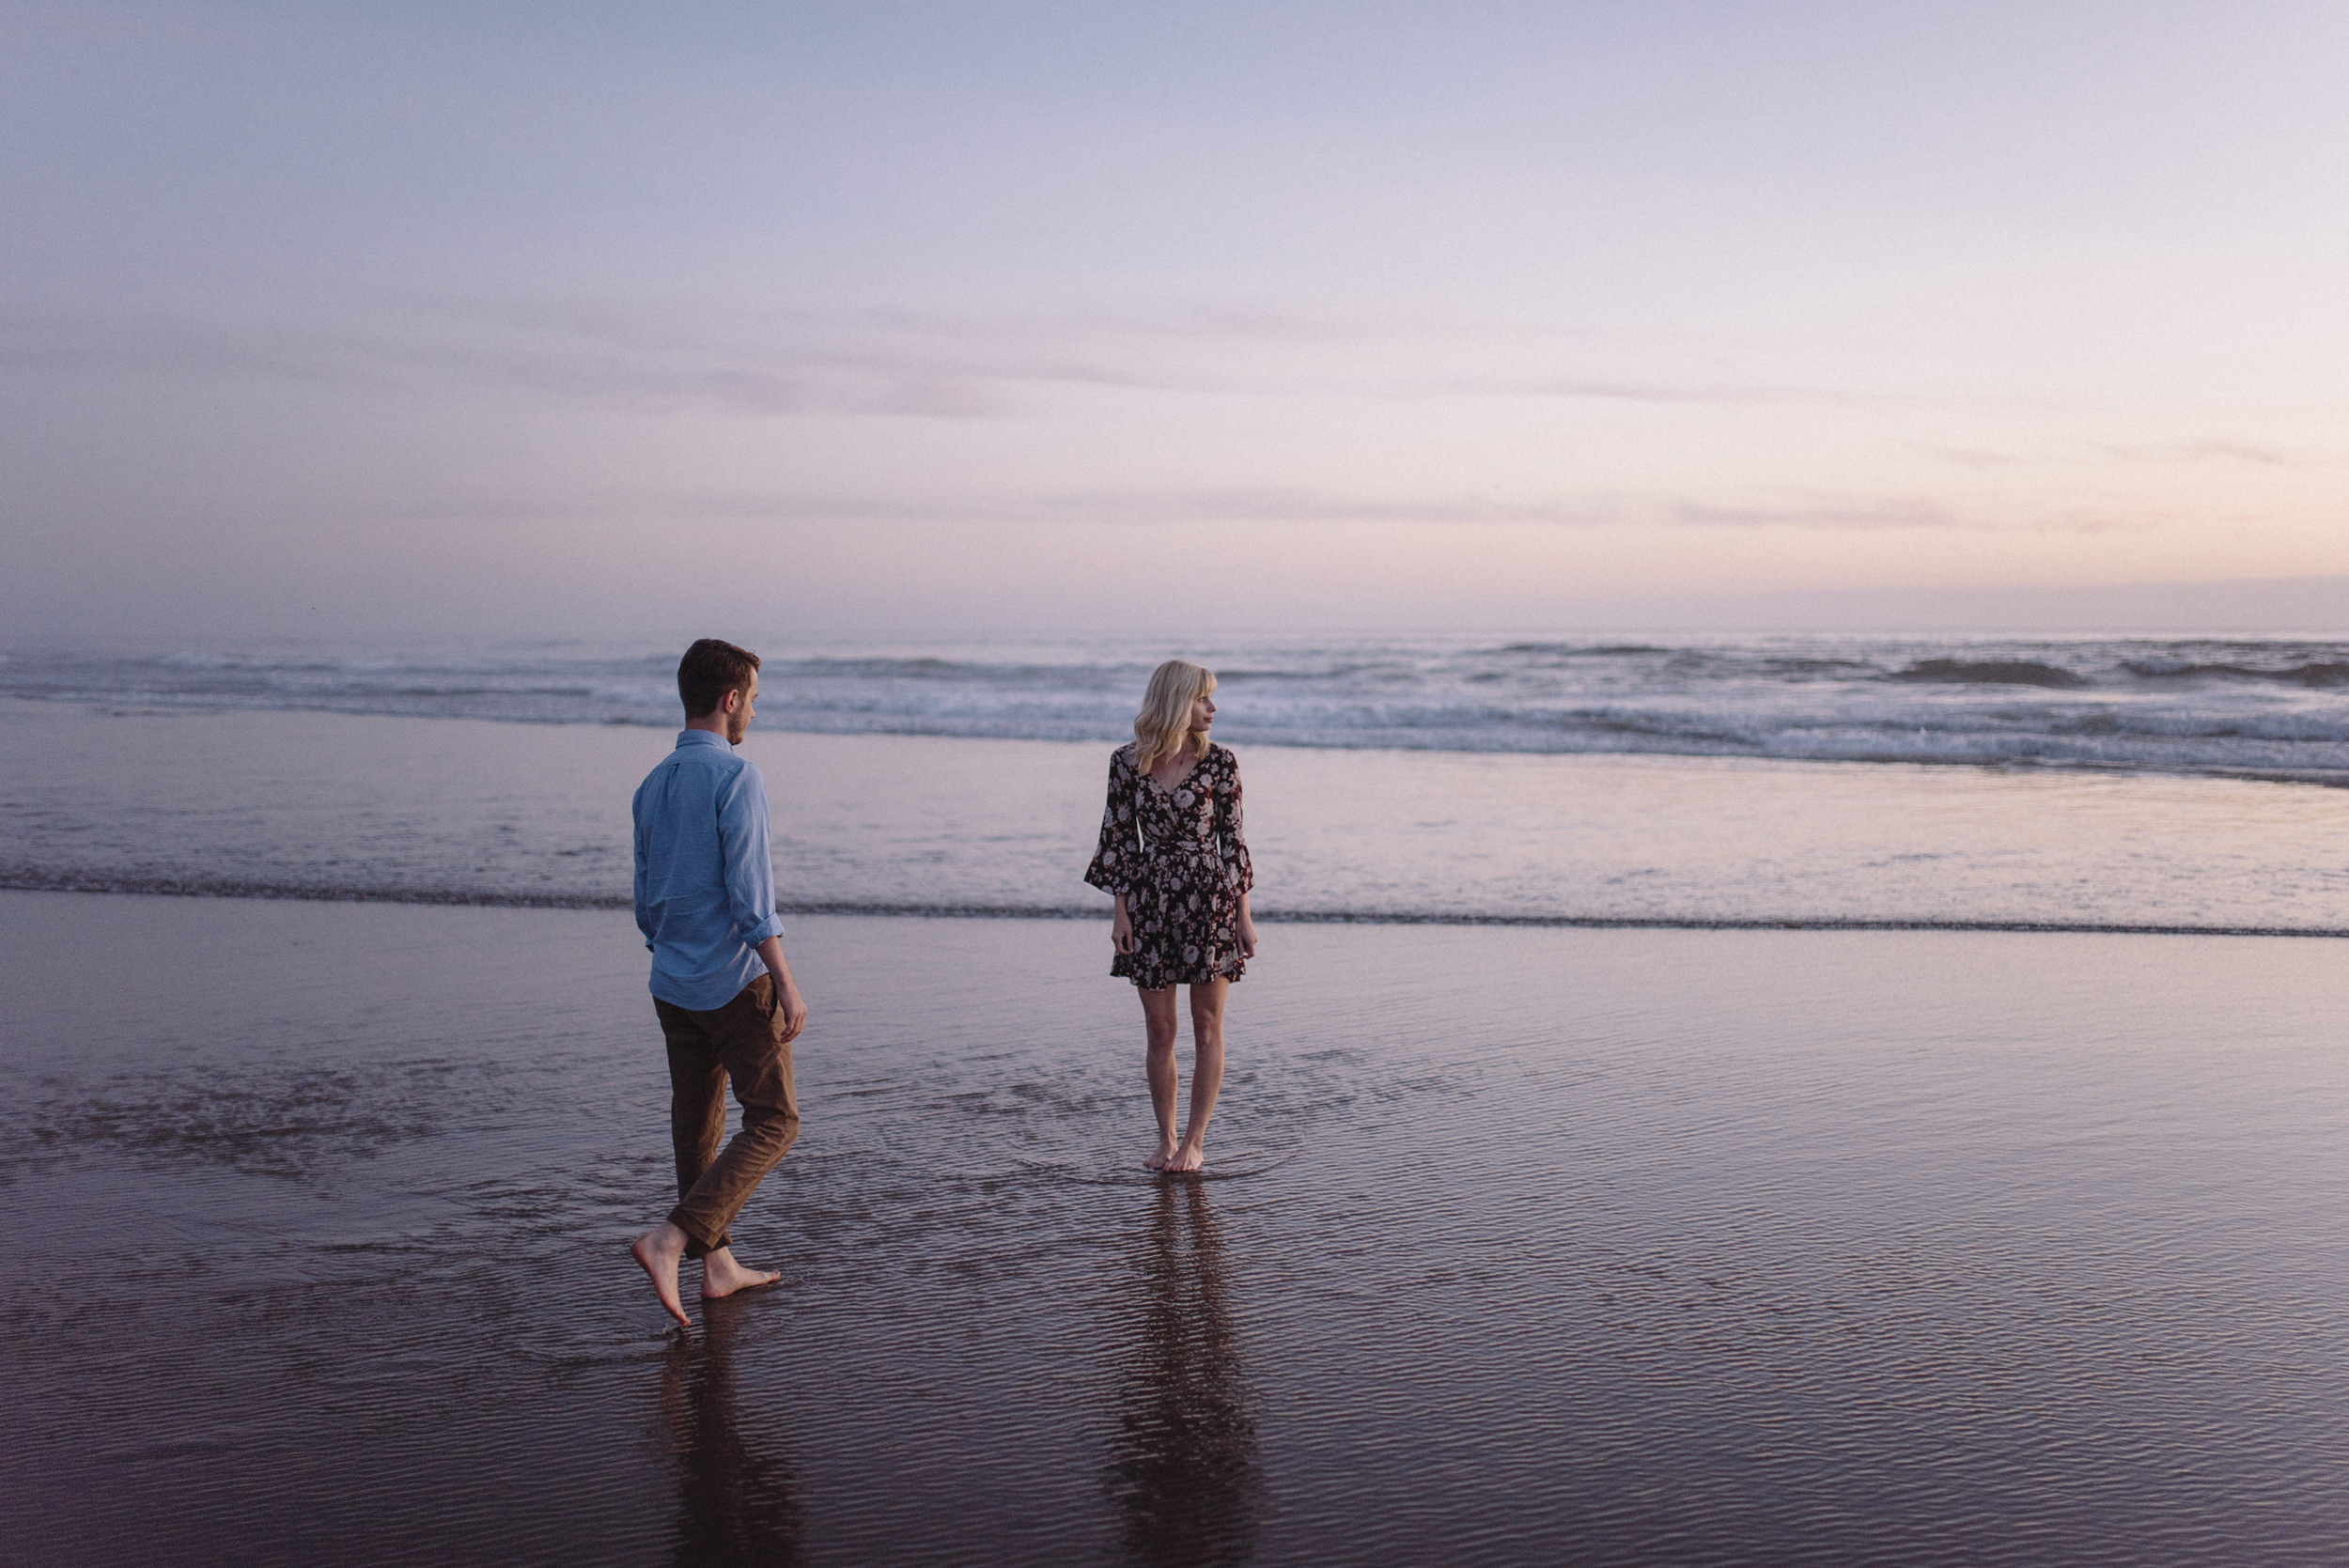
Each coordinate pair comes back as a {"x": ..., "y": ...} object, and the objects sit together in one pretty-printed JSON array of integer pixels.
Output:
[{"x": 2266, "y": 708}]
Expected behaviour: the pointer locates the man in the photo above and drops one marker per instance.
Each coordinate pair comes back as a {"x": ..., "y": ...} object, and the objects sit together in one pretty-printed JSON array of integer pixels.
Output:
[{"x": 728, "y": 1008}]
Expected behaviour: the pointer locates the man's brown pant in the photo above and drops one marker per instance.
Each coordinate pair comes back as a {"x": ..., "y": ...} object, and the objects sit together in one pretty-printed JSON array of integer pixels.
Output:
[{"x": 739, "y": 1041}]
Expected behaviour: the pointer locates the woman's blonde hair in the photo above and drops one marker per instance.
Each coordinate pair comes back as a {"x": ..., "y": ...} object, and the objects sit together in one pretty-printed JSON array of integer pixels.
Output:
[{"x": 1163, "y": 728}]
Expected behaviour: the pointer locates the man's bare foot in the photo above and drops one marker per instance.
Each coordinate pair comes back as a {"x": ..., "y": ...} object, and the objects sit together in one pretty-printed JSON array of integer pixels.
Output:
[
  {"x": 658, "y": 1252},
  {"x": 1166, "y": 1152},
  {"x": 721, "y": 1276},
  {"x": 1186, "y": 1160}
]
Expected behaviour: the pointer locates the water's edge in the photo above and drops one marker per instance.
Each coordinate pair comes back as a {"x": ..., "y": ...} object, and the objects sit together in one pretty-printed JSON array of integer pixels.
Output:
[{"x": 164, "y": 887}]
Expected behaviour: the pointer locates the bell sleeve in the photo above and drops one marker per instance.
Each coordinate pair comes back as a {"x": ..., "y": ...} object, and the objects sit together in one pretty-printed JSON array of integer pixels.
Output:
[
  {"x": 1239, "y": 870},
  {"x": 1111, "y": 870}
]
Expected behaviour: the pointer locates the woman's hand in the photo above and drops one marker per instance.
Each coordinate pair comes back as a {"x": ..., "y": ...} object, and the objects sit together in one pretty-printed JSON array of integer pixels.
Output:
[
  {"x": 1122, "y": 927},
  {"x": 1247, "y": 935}
]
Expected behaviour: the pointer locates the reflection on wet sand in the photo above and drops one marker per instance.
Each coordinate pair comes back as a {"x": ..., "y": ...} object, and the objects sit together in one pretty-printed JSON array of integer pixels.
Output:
[
  {"x": 736, "y": 1501},
  {"x": 1184, "y": 1472}
]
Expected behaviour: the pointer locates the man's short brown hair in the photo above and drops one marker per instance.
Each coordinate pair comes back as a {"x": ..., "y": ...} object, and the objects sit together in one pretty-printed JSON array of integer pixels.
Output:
[{"x": 708, "y": 671}]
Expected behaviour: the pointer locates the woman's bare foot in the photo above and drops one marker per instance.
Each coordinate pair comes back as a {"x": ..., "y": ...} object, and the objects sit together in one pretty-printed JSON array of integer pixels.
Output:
[
  {"x": 658, "y": 1252},
  {"x": 1166, "y": 1152},
  {"x": 721, "y": 1276},
  {"x": 1186, "y": 1159}
]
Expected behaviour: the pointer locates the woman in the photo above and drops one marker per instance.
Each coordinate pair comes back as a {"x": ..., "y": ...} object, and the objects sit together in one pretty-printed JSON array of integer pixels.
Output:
[{"x": 1173, "y": 855}]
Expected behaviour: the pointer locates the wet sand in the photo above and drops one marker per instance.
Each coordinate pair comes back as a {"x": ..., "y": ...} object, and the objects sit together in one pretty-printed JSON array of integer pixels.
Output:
[{"x": 1601, "y": 1246}]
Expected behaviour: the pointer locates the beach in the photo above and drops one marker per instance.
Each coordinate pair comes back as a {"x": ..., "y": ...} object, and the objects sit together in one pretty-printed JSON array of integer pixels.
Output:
[{"x": 1604, "y": 1246}]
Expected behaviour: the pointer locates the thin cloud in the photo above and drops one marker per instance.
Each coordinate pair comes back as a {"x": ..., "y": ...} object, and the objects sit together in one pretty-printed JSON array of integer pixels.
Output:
[
  {"x": 784, "y": 363},
  {"x": 1841, "y": 517},
  {"x": 787, "y": 363},
  {"x": 59, "y": 344},
  {"x": 581, "y": 369},
  {"x": 1272, "y": 508},
  {"x": 2219, "y": 449},
  {"x": 1977, "y": 458},
  {"x": 1715, "y": 395},
  {"x": 2088, "y": 523}
]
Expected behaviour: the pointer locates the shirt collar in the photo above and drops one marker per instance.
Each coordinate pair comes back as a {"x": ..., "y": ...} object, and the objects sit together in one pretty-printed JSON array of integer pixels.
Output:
[{"x": 701, "y": 738}]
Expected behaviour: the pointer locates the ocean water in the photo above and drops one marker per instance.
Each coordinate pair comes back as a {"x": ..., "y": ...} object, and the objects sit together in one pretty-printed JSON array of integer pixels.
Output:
[{"x": 2112, "y": 784}]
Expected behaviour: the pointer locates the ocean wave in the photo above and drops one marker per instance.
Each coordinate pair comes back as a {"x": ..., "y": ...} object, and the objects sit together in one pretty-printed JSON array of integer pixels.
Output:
[
  {"x": 1592, "y": 650},
  {"x": 1990, "y": 672},
  {"x": 2330, "y": 673},
  {"x": 2276, "y": 708}
]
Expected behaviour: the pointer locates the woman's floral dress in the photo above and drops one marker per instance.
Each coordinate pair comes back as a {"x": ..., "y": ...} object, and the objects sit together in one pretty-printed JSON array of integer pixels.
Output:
[{"x": 1178, "y": 856}]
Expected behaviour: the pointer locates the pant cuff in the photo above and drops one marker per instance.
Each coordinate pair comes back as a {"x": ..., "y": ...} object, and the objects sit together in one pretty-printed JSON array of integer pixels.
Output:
[{"x": 694, "y": 1246}]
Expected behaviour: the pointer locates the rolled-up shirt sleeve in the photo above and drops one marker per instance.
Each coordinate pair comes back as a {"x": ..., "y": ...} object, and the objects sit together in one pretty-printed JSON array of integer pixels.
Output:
[{"x": 749, "y": 864}]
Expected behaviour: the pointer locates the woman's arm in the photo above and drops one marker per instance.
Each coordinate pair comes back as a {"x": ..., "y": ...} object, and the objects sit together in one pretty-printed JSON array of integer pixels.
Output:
[
  {"x": 1233, "y": 834},
  {"x": 1231, "y": 830},
  {"x": 1113, "y": 858}
]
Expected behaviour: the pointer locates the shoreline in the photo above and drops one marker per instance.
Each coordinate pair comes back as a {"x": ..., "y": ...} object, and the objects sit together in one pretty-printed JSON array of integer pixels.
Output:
[
  {"x": 12, "y": 881},
  {"x": 432, "y": 812},
  {"x": 2311, "y": 778}
]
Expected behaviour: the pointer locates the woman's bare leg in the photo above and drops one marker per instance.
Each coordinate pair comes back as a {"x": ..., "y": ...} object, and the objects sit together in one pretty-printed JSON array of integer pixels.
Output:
[
  {"x": 1158, "y": 1017},
  {"x": 1206, "y": 1078}
]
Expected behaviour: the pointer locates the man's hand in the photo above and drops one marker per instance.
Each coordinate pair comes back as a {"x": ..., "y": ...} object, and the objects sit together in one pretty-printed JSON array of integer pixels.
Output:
[{"x": 792, "y": 1008}]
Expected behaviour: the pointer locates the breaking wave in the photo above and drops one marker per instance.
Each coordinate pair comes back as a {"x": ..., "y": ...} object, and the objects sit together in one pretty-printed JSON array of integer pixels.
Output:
[{"x": 2270, "y": 709}]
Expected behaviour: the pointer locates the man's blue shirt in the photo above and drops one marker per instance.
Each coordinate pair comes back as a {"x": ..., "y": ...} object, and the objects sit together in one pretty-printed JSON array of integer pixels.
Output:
[{"x": 705, "y": 885}]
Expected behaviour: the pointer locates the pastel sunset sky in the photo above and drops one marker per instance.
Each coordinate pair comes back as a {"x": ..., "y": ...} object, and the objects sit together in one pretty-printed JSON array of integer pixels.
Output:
[{"x": 515, "y": 319}]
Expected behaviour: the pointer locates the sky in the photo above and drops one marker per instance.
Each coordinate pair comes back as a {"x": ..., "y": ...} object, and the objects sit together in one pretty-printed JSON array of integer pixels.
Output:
[{"x": 525, "y": 319}]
